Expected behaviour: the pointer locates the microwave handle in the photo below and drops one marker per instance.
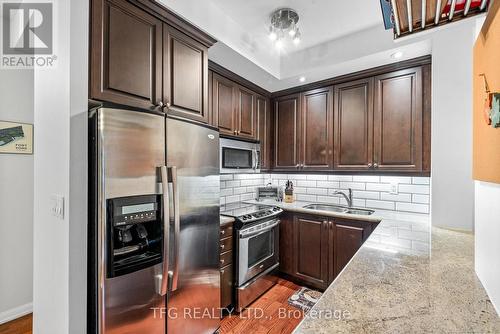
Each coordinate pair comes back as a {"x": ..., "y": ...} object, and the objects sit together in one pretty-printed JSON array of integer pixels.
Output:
[{"x": 256, "y": 158}]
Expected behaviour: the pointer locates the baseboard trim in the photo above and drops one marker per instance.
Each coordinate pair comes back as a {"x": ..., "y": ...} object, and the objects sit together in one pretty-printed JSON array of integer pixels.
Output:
[{"x": 15, "y": 313}]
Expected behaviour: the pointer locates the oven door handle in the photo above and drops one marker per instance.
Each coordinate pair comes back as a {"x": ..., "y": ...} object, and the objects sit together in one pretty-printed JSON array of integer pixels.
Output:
[{"x": 256, "y": 233}]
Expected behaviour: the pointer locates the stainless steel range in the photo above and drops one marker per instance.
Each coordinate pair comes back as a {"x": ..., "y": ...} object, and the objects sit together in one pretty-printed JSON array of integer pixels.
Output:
[{"x": 257, "y": 249}]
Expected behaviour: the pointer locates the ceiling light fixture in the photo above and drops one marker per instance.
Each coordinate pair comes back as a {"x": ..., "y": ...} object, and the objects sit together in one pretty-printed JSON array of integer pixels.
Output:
[
  {"x": 284, "y": 20},
  {"x": 397, "y": 55},
  {"x": 302, "y": 79}
]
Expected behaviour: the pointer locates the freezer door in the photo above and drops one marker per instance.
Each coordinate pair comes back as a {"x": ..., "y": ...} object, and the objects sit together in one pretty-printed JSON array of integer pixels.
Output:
[
  {"x": 194, "y": 297},
  {"x": 130, "y": 150}
]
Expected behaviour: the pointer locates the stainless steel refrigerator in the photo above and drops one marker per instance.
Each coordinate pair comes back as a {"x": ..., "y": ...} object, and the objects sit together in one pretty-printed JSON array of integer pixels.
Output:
[{"x": 154, "y": 224}]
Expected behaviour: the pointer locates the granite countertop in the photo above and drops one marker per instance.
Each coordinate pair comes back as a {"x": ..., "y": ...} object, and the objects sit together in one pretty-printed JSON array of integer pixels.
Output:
[
  {"x": 226, "y": 220},
  {"x": 406, "y": 278}
]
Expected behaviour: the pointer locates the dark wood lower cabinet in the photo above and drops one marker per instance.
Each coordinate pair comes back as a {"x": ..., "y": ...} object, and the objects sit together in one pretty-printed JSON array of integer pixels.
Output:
[
  {"x": 310, "y": 236},
  {"x": 315, "y": 249},
  {"x": 226, "y": 286},
  {"x": 226, "y": 265}
]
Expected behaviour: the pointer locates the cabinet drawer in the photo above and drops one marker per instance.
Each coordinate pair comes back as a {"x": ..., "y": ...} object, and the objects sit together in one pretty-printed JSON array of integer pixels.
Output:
[
  {"x": 226, "y": 244},
  {"x": 226, "y": 258},
  {"x": 226, "y": 231}
]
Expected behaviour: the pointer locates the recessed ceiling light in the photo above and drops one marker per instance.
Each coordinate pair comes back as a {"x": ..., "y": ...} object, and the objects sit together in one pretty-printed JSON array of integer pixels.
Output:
[
  {"x": 302, "y": 79},
  {"x": 397, "y": 55},
  {"x": 279, "y": 44}
]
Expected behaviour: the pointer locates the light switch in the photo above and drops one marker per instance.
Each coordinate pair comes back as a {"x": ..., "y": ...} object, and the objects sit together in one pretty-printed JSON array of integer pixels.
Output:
[
  {"x": 57, "y": 206},
  {"x": 394, "y": 188}
]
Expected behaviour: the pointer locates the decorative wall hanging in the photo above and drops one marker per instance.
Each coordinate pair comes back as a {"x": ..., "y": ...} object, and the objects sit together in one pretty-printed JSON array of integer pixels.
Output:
[
  {"x": 16, "y": 138},
  {"x": 486, "y": 114}
]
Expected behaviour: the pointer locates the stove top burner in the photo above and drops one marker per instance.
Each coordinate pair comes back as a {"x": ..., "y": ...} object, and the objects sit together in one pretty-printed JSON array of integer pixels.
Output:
[{"x": 245, "y": 213}]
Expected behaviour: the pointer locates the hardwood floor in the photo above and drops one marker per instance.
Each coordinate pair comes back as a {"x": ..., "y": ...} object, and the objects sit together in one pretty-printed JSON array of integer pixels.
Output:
[
  {"x": 271, "y": 313},
  {"x": 22, "y": 325}
]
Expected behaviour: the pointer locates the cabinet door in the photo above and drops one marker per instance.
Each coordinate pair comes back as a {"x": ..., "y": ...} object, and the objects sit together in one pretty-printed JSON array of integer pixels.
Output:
[
  {"x": 226, "y": 286},
  {"x": 185, "y": 76},
  {"x": 311, "y": 250},
  {"x": 398, "y": 121},
  {"x": 316, "y": 145},
  {"x": 223, "y": 108},
  {"x": 246, "y": 115},
  {"x": 264, "y": 131},
  {"x": 126, "y": 55},
  {"x": 287, "y": 252},
  {"x": 354, "y": 125},
  {"x": 286, "y": 126},
  {"x": 348, "y": 238}
]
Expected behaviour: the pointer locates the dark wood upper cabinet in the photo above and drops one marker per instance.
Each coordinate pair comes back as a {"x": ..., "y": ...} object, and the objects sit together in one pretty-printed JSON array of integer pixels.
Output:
[
  {"x": 316, "y": 136},
  {"x": 265, "y": 131},
  {"x": 126, "y": 55},
  {"x": 311, "y": 249},
  {"x": 354, "y": 125},
  {"x": 398, "y": 121},
  {"x": 246, "y": 113},
  {"x": 223, "y": 104},
  {"x": 286, "y": 132},
  {"x": 185, "y": 86}
]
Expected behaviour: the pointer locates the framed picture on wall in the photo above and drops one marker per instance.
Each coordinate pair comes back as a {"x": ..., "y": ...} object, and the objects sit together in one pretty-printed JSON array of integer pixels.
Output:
[{"x": 16, "y": 138}]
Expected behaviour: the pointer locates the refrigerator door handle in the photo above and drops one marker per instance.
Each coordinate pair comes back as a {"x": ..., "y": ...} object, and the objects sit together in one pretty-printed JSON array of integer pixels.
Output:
[
  {"x": 166, "y": 231},
  {"x": 177, "y": 218}
]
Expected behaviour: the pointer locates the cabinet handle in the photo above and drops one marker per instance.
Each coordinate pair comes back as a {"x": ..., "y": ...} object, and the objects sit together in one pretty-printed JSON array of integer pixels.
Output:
[
  {"x": 375, "y": 165},
  {"x": 370, "y": 165},
  {"x": 297, "y": 166},
  {"x": 168, "y": 104},
  {"x": 222, "y": 271},
  {"x": 160, "y": 105},
  {"x": 221, "y": 246},
  {"x": 222, "y": 261},
  {"x": 235, "y": 132},
  {"x": 223, "y": 232}
]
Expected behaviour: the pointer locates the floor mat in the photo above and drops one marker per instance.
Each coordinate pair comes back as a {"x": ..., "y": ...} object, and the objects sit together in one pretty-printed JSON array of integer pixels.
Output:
[{"x": 304, "y": 298}]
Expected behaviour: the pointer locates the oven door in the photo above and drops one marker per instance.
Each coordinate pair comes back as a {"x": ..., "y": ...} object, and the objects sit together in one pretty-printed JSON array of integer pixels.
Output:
[{"x": 257, "y": 251}]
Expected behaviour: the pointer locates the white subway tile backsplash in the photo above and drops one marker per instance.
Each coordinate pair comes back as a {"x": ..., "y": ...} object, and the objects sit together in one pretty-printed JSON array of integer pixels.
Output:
[
  {"x": 414, "y": 189},
  {"x": 395, "y": 197},
  {"x": 352, "y": 185},
  {"x": 317, "y": 191},
  {"x": 378, "y": 186},
  {"x": 225, "y": 177},
  {"x": 386, "y": 205},
  {"x": 366, "y": 194},
  {"x": 421, "y": 180},
  {"x": 395, "y": 179},
  {"x": 339, "y": 177},
  {"x": 366, "y": 178},
  {"x": 301, "y": 183},
  {"x": 418, "y": 198},
  {"x": 371, "y": 191},
  {"x": 305, "y": 198},
  {"x": 328, "y": 184},
  {"x": 232, "y": 184},
  {"x": 226, "y": 191},
  {"x": 317, "y": 177}
]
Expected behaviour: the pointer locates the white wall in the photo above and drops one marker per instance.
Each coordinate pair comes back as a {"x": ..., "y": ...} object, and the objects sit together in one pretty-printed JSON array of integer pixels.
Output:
[
  {"x": 16, "y": 201},
  {"x": 60, "y": 168},
  {"x": 487, "y": 238},
  {"x": 452, "y": 200}
]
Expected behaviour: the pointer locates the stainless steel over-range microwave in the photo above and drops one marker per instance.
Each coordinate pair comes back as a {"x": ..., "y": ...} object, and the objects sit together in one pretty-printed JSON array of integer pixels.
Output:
[{"x": 238, "y": 156}]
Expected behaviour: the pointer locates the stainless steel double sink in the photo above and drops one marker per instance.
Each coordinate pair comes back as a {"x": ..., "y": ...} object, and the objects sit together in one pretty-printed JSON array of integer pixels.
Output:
[{"x": 339, "y": 209}]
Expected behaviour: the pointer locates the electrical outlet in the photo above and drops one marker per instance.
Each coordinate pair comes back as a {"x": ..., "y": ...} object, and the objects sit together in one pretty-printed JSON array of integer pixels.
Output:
[
  {"x": 394, "y": 188},
  {"x": 57, "y": 206}
]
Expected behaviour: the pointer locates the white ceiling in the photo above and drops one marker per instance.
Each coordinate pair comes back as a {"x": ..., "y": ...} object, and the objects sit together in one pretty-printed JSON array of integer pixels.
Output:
[
  {"x": 319, "y": 20},
  {"x": 338, "y": 37}
]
